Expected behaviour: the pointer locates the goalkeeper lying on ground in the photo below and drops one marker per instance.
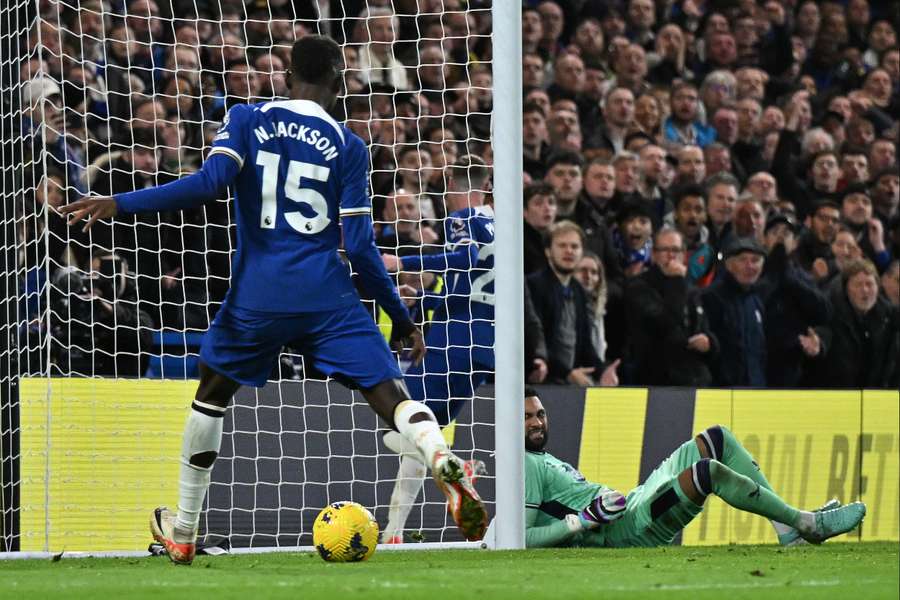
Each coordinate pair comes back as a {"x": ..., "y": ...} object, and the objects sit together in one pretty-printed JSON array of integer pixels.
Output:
[{"x": 564, "y": 509}]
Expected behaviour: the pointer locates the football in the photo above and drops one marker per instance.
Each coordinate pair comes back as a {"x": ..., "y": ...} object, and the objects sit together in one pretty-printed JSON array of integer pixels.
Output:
[{"x": 345, "y": 532}]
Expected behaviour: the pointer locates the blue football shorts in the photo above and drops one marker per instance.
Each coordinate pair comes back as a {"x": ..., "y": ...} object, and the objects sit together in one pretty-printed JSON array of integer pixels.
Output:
[{"x": 344, "y": 343}]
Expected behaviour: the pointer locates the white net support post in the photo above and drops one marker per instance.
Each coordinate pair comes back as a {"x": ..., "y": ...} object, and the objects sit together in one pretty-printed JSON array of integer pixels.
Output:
[{"x": 102, "y": 330}]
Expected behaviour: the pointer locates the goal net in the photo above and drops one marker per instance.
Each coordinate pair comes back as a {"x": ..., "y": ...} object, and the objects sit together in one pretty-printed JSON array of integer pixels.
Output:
[{"x": 102, "y": 329}]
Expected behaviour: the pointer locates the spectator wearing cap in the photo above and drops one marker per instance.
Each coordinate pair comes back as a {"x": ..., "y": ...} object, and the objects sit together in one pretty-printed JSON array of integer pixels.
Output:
[
  {"x": 683, "y": 127},
  {"x": 856, "y": 214},
  {"x": 859, "y": 346},
  {"x": 689, "y": 219},
  {"x": 813, "y": 252},
  {"x": 633, "y": 237},
  {"x": 735, "y": 308},
  {"x": 794, "y": 305},
  {"x": 562, "y": 305},
  {"x": 669, "y": 340},
  {"x": 539, "y": 213},
  {"x": 44, "y": 112}
]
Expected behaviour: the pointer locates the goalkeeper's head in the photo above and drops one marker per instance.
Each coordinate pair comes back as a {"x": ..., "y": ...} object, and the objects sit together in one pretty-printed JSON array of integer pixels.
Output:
[
  {"x": 316, "y": 66},
  {"x": 537, "y": 428}
]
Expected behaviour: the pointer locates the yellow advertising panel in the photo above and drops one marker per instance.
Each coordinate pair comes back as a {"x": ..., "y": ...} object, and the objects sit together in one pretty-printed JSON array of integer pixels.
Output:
[
  {"x": 879, "y": 457},
  {"x": 612, "y": 436},
  {"x": 109, "y": 449},
  {"x": 806, "y": 443}
]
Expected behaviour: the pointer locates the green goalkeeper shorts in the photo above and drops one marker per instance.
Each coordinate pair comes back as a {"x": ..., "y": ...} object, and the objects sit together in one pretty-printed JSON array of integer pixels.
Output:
[{"x": 656, "y": 511}]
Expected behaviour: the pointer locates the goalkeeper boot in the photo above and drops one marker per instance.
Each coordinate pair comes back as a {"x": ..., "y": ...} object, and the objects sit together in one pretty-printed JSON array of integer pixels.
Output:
[
  {"x": 836, "y": 521},
  {"x": 463, "y": 502},
  {"x": 162, "y": 526},
  {"x": 792, "y": 537}
]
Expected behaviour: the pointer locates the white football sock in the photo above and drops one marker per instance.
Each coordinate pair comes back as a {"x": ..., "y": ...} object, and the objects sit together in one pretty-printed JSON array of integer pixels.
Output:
[
  {"x": 199, "y": 448},
  {"x": 410, "y": 478},
  {"x": 806, "y": 522},
  {"x": 424, "y": 435}
]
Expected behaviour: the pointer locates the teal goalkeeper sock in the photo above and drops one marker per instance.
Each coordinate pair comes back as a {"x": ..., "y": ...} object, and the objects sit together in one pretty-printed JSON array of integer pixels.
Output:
[{"x": 744, "y": 493}]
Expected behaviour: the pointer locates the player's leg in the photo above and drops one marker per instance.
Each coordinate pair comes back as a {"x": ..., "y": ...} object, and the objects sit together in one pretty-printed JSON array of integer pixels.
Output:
[
  {"x": 199, "y": 449},
  {"x": 412, "y": 471},
  {"x": 709, "y": 476},
  {"x": 720, "y": 444},
  {"x": 445, "y": 390},
  {"x": 379, "y": 380},
  {"x": 239, "y": 348}
]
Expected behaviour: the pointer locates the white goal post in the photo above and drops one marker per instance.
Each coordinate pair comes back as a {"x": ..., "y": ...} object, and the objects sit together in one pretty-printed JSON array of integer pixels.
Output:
[{"x": 101, "y": 332}]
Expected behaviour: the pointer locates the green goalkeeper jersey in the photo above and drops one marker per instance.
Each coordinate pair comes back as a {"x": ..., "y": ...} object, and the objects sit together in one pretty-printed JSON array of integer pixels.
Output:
[
  {"x": 655, "y": 511},
  {"x": 553, "y": 489}
]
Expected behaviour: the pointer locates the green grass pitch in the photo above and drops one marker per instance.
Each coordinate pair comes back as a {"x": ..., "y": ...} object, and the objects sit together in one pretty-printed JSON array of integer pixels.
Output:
[{"x": 853, "y": 571}]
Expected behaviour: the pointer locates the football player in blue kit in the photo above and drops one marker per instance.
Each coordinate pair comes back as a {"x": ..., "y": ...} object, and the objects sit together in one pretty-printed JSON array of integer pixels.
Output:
[
  {"x": 301, "y": 184},
  {"x": 460, "y": 340}
]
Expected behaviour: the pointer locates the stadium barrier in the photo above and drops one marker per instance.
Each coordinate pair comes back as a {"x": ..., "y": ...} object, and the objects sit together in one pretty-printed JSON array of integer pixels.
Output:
[{"x": 110, "y": 447}]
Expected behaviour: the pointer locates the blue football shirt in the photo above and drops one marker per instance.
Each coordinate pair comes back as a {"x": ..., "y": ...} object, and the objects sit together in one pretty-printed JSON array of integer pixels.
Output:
[{"x": 300, "y": 171}]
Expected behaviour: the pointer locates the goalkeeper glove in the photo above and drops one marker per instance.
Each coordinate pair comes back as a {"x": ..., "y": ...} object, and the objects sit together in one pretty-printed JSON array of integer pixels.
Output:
[{"x": 605, "y": 508}]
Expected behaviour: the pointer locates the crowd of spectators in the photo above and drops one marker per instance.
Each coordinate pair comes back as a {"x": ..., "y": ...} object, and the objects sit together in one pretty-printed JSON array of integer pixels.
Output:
[{"x": 711, "y": 186}]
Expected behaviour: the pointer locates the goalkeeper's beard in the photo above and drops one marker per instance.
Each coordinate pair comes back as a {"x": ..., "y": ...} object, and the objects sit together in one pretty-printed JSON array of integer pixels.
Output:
[{"x": 533, "y": 446}]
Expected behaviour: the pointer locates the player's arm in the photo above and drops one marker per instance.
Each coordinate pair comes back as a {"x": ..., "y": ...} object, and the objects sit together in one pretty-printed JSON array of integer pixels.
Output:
[
  {"x": 462, "y": 257},
  {"x": 552, "y": 535},
  {"x": 219, "y": 170},
  {"x": 602, "y": 510},
  {"x": 359, "y": 244}
]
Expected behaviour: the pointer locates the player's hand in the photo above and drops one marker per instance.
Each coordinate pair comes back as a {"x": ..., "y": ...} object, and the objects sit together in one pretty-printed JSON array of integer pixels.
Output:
[
  {"x": 539, "y": 371},
  {"x": 810, "y": 342},
  {"x": 610, "y": 378},
  {"x": 391, "y": 262},
  {"x": 408, "y": 294},
  {"x": 699, "y": 343},
  {"x": 416, "y": 343},
  {"x": 605, "y": 508},
  {"x": 93, "y": 208},
  {"x": 581, "y": 376}
]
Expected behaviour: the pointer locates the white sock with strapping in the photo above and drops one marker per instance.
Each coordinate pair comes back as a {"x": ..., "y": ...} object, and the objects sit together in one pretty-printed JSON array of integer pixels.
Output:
[
  {"x": 410, "y": 479},
  {"x": 199, "y": 449},
  {"x": 425, "y": 435}
]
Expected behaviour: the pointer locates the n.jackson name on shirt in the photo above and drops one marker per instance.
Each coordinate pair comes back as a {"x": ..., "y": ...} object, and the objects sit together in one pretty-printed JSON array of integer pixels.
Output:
[{"x": 303, "y": 133}]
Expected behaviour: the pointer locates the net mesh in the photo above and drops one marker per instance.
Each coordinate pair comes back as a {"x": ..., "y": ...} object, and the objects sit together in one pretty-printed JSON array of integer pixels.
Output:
[{"x": 103, "y": 97}]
